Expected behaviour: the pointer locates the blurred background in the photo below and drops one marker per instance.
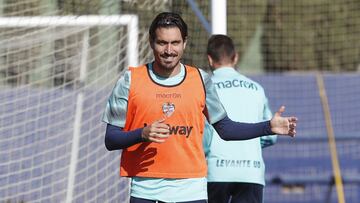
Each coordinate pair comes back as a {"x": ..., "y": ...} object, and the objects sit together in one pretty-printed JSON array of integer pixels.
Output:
[{"x": 59, "y": 61}]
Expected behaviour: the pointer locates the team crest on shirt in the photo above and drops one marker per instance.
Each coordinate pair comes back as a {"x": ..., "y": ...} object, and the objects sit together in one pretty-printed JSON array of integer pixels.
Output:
[{"x": 168, "y": 109}]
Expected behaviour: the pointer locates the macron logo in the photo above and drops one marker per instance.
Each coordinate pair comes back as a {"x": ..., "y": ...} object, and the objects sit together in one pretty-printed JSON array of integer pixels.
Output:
[{"x": 236, "y": 83}]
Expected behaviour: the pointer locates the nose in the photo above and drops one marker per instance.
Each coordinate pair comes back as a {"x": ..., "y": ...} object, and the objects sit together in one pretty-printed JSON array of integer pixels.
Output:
[{"x": 168, "y": 49}]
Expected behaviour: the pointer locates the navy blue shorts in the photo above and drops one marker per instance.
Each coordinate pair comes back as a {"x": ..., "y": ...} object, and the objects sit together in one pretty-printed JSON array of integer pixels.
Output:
[
  {"x": 228, "y": 192},
  {"x": 139, "y": 200}
]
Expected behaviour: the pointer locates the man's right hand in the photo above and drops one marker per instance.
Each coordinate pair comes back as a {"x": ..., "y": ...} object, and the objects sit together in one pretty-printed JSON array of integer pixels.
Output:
[
  {"x": 283, "y": 125},
  {"x": 157, "y": 132}
]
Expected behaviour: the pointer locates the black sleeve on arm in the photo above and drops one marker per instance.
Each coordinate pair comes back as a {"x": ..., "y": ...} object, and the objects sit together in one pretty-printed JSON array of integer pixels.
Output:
[
  {"x": 116, "y": 138},
  {"x": 231, "y": 130}
]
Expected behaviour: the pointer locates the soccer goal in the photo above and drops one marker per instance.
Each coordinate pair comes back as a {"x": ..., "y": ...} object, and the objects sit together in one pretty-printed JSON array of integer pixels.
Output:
[{"x": 55, "y": 75}]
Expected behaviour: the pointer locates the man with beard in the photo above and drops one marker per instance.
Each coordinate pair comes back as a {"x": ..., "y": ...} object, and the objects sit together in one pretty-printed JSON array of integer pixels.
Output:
[{"x": 156, "y": 115}]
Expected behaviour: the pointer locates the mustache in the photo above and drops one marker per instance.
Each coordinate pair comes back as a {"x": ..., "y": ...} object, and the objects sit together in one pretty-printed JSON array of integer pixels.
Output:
[{"x": 169, "y": 55}]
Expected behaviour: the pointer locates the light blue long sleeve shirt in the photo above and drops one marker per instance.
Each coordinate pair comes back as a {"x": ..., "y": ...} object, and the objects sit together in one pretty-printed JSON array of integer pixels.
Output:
[{"x": 244, "y": 101}]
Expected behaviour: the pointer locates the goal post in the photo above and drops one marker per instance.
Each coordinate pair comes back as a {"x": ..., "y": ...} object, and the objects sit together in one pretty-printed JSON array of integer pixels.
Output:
[{"x": 218, "y": 17}]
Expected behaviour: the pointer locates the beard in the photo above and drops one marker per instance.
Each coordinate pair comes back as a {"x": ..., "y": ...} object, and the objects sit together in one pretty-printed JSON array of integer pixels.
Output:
[{"x": 168, "y": 61}]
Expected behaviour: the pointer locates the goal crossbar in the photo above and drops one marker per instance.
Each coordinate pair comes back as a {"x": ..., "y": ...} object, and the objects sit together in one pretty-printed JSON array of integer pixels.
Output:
[
  {"x": 131, "y": 21},
  {"x": 85, "y": 20}
]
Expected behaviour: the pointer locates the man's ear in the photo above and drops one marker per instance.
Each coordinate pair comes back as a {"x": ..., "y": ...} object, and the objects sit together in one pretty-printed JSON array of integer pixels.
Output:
[
  {"x": 185, "y": 42},
  {"x": 210, "y": 60},
  {"x": 151, "y": 42},
  {"x": 236, "y": 58}
]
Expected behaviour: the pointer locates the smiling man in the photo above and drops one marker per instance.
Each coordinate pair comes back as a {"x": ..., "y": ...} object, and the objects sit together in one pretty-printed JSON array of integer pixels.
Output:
[{"x": 151, "y": 102}]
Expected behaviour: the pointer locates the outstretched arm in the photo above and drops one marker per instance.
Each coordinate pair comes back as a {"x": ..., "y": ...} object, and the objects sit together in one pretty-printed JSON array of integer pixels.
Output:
[{"x": 231, "y": 130}]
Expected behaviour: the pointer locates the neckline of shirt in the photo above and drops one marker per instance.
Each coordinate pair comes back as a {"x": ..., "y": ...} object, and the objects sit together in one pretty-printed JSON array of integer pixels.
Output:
[{"x": 174, "y": 80}]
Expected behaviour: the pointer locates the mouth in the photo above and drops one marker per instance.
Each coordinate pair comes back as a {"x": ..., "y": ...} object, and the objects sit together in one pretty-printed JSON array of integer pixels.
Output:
[{"x": 168, "y": 58}]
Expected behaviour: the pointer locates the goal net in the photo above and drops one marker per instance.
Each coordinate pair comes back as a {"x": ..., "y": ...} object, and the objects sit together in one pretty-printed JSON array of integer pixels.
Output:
[{"x": 56, "y": 73}]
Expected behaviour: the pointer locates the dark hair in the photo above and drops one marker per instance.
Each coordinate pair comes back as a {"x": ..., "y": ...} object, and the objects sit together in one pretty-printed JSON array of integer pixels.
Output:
[
  {"x": 168, "y": 19},
  {"x": 221, "y": 47}
]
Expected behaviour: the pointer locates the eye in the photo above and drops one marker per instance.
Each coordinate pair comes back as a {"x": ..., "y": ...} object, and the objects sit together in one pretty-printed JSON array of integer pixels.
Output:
[{"x": 161, "y": 42}]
